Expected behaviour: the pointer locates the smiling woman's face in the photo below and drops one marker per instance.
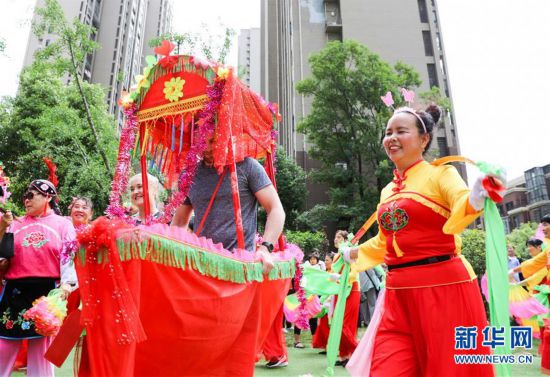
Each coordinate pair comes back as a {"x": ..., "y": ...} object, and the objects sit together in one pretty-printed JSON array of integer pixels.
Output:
[
  {"x": 403, "y": 142},
  {"x": 81, "y": 213},
  {"x": 136, "y": 192}
]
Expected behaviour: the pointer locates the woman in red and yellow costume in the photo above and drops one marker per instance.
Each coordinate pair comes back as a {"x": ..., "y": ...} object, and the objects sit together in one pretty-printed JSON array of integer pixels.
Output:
[
  {"x": 431, "y": 288},
  {"x": 537, "y": 271},
  {"x": 537, "y": 266}
]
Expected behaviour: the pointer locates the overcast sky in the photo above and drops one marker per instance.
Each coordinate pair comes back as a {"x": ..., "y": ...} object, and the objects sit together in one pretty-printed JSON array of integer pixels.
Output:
[{"x": 498, "y": 55}]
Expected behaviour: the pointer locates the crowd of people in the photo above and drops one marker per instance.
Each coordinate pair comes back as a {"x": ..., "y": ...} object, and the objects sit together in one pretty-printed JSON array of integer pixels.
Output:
[{"x": 430, "y": 288}]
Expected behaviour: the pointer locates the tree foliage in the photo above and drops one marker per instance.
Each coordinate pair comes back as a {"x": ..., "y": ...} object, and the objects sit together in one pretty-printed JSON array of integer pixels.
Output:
[
  {"x": 72, "y": 44},
  {"x": 46, "y": 119},
  {"x": 473, "y": 248},
  {"x": 519, "y": 236},
  {"x": 291, "y": 187},
  {"x": 346, "y": 125},
  {"x": 308, "y": 241},
  {"x": 67, "y": 122}
]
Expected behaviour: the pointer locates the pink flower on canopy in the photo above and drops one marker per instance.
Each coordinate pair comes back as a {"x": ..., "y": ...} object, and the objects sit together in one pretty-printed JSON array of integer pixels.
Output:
[
  {"x": 408, "y": 95},
  {"x": 387, "y": 99}
]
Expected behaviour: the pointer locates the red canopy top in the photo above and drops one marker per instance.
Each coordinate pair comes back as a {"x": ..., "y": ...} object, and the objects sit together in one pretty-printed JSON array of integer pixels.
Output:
[{"x": 169, "y": 99}]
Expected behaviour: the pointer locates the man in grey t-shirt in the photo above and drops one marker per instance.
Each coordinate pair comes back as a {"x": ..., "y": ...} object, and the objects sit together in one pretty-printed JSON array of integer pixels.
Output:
[{"x": 254, "y": 187}]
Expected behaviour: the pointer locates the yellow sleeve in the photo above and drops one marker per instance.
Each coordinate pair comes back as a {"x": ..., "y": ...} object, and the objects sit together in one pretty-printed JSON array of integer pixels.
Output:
[
  {"x": 371, "y": 253},
  {"x": 535, "y": 279},
  {"x": 455, "y": 193},
  {"x": 531, "y": 266}
]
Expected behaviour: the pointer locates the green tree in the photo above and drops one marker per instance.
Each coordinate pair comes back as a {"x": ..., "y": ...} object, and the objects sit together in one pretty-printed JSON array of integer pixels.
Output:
[
  {"x": 473, "y": 248},
  {"x": 519, "y": 236},
  {"x": 47, "y": 119},
  {"x": 291, "y": 186},
  {"x": 346, "y": 125},
  {"x": 434, "y": 95},
  {"x": 2, "y": 45},
  {"x": 307, "y": 241},
  {"x": 72, "y": 44}
]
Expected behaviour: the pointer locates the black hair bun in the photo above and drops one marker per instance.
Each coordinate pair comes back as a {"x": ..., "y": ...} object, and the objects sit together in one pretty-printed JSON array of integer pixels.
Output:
[{"x": 435, "y": 112}]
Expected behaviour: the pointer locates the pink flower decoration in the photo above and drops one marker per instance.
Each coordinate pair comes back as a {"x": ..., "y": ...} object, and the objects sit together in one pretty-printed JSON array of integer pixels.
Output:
[
  {"x": 387, "y": 99},
  {"x": 408, "y": 95}
]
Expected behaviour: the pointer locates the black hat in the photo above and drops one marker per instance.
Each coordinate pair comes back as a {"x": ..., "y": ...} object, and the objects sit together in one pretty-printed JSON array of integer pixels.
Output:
[{"x": 43, "y": 186}]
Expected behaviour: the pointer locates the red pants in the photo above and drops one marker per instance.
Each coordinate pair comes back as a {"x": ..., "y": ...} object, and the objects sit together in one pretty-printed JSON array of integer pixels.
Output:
[
  {"x": 416, "y": 336},
  {"x": 274, "y": 345},
  {"x": 544, "y": 348},
  {"x": 320, "y": 338}
]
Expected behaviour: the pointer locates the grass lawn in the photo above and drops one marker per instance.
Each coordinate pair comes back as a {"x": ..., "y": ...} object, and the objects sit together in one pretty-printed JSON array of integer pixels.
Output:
[{"x": 308, "y": 361}]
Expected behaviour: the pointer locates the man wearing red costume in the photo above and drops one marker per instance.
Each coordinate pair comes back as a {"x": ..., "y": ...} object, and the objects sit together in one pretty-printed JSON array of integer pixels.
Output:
[{"x": 431, "y": 288}]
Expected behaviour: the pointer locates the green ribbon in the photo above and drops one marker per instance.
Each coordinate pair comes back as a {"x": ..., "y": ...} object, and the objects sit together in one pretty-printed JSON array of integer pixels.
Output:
[
  {"x": 497, "y": 274},
  {"x": 336, "y": 325},
  {"x": 496, "y": 259}
]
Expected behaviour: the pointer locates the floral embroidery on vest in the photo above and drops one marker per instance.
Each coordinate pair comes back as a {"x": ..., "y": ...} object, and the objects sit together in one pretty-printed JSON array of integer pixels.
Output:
[
  {"x": 394, "y": 218},
  {"x": 35, "y": 239}
]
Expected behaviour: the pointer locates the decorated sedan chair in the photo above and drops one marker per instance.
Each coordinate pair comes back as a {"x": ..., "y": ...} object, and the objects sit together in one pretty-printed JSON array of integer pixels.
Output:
[{"x": 160, "y": 301}]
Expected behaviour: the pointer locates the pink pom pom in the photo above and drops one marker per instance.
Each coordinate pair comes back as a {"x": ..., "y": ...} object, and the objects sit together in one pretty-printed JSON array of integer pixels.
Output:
[{"x": 47, "y": 314}]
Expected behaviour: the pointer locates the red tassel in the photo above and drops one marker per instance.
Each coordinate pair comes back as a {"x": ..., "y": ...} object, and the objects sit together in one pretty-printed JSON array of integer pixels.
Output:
[
  {"x": 45, "y": 206},
  {"x": 52, "y": 168}
]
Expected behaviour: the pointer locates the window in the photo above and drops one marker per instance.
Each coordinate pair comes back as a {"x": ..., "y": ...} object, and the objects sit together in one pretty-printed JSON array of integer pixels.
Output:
[
  {"x": 535, "y": 183},
  {"x": 423, "y": 11},
  {"x": 509, "y": 206},
  {"x": 428, "y": 46},
  {"x": 432, "y": 75},
  {"x": 443, "y": 146}
]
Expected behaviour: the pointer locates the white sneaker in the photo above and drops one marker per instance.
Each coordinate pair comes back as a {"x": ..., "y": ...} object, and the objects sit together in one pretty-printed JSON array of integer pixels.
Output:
[{"x": 279, "y": 363}]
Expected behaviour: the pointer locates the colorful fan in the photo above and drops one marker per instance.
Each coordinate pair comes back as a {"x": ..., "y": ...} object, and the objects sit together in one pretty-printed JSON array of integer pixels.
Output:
[
  {"x": 521, "y": 304},
  {"x": 292, "y": 305}
]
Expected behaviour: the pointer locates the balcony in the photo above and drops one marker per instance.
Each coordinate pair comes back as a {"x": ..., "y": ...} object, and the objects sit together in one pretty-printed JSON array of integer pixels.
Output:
[{"x": 333, "y": 20}]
